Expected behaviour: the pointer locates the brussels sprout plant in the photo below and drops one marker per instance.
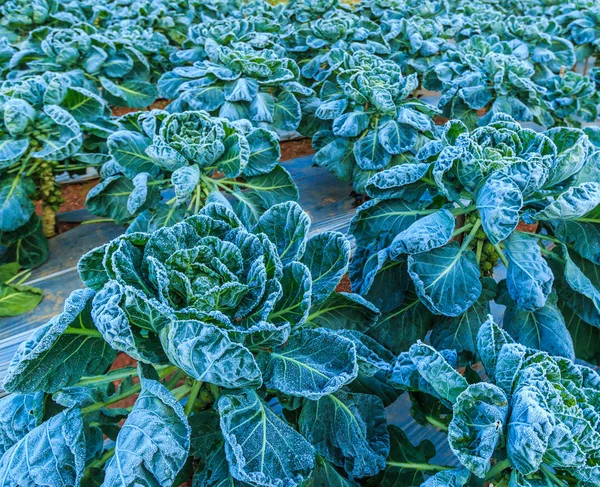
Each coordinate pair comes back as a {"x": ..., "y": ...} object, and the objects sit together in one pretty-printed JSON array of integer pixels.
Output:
[
  {"x": 428, "y": 240},
  {"x": 168, "y": 166},
  {"x": 243, "y": 324},
  {"x": 49, "y": 124}
]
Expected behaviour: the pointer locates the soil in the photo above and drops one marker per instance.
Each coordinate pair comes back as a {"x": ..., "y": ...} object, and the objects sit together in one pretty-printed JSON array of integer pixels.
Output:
[{"x": 296, "y": 148}]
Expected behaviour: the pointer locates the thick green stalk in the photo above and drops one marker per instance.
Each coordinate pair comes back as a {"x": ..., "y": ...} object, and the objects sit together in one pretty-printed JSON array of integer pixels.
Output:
[
  {"x": 497, "y": 468},
  {"x": 431, "y": 467},
  {"x": 192, "y": 397}
]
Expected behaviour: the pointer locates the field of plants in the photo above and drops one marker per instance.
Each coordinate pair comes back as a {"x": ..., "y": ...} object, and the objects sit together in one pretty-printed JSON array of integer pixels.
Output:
[{"x": 222, "y": 340}]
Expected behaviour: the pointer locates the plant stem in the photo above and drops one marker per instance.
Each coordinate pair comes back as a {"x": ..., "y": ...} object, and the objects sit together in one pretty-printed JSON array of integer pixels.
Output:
[
  {"x": 83, "y": 331},
  {"x": 471, "y": 235},
  {"x": 419, "y": 466},
  {"x": 551, "y": 475},
  {"x": 215, "y": 391},
  {"x": 181, "y": 391},
  {"x": 109, "y": 377},
  {"x": 464, "y": 229},
  {"x": 463, "y": 211},
  {"x": 192, "y": 397},
  {"x": 479, "y": 250},
  {"x": 172, "y": 382},
  {"x": 541, "y": 236},
  {"x": 112, "y": 400},
  {"x": 497, "y": 468},
  {"x": 551, "y": 255},
  {"x": 24, "y": 272},
  {"x": 99, "y": 462},
  {"x": 98, "y": 220},
  {"x": 437, "y": 423},
  {"x": 501, "y": 254}
]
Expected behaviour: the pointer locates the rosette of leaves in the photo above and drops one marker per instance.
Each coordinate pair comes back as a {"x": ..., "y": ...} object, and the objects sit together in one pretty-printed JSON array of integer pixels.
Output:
[
  {"x": 539, "y": 40},
  {"x": 255, "y": 31},
  {"x": 483, "y": 77},
  {"x": 169, "y": 17},
  {"x": 476, "y": 19},
  {"x": 49, "y": 124},
  {"x": 415, "y": 43},
  {"x": 573, "y": 99},
  {"x": 534, "y": 420},
  {"x": 165, "y": 167},
  {"x": 112, "y": 63},
  {"x": 312, "y": 42},
  {"x": 19, "y": 17},
  {"x": 240, "y": 324},
  {"x": 239, "y": 83},
  {"x": 435, "y": 228},
  {"x": 581, "y": 25},
  {"x": 366, "y": 117},
  {"x": 303, "y": 11}
]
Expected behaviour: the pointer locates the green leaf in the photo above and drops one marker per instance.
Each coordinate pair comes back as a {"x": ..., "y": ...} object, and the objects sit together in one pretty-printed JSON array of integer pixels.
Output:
[
  {"x": 431, "y": 231},
  {"x": 287, "y": 113},
  {"x": 499, "y": 202},
  {"x": 490, "y": 340},
  {"x": 344, "y": 311},
  {"x": 529, "y": 429},
  {"x": 405, "y": 463},
  {"x": 586, "y": 338},
  {"x": 327, "y": 255},
  {"x": 129, "y": 93},
  {"x": 287, "y": 226},
  {"x": 16, "y": 300},
  {"x": 437, "y": 372},
  {"x": 573, "y": 203},
  {"x": 59, "y": 353},
  {"x": 15, "y": 206},
  {"x": 350, "y": 430},
  {"x": 449, "y": 478},
  {"x": 19, "y": 414},
  {"x": 325, "y": 475},
  {"x": 370, "y": 153},
  {"x": 51, "y": 454},
  {"x": 261, "y": 448},
  {"x": 264, "y": 152},
  {"x": 153, "y": 443},
  {"x": 528, "y": 277},
  {"x": 83, "y": 104},
  {"x": 11, "y": 150},
  {"x": 129, "y": 150},
  {"x": 480, "y": 413},
  {"x": 582, "y": 292},
  {"x": 397, "y": 138},
  {"x": 582, "y": 236},
  {"x": 294, "y": 303},
  {"x": 446, "y": 279},
  {"x": 392, "y": 182},
  {"x": 206, "y": 353},
  {"x": 109, "y": 198},
  {"x": 312, "y": 364}
]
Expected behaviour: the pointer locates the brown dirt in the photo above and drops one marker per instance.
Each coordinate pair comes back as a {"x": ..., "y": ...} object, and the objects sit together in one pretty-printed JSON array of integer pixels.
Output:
[
  {"x": 296, "y": 148},
  {"x": 344, "y": 286},
  {"x": 157, "y": 105}
]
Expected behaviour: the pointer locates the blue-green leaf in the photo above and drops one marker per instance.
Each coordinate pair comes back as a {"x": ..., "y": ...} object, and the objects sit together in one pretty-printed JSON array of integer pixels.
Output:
[
  {"x": 261, "y": 448},
  {"x": 312, "y": 364},
  {"x": 430, "y": 232},
  {"x": 153, "y": 443},
  {"x": 499, "y": 202},
  {"x": 572, "y": 204},
  {"x": 19, "y": 414},
  {"x": 206, "y": 353},
  {"x": 446, "y": 279},
  {"x": 350, "y": 430},
  {"x": 480, "y": 413}
]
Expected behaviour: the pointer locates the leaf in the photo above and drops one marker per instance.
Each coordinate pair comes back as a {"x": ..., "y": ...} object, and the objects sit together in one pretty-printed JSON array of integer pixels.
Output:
[
  {"x": 392, "y": 182},
  {"x": 572, "y": 204},
  {"x": 480, "y": 413},
  {"x": 16, "y": 300},
  {"x": 312, "y": 364},
  {"x": 350, "y": 430},
  {"x": 15, "y": 206},
  {"x": 325, "y": 475},
  {"x": 264, "y": 152},
  {"x": 529, "y": 428},
  {"x": 370, "y": 153},
  {"x": 344, "y": 311},
  {"x": 350, "y": 124},
  {"x": 583, "y": 237},
  {"x": 129, "y": 150},
  {"x": 449, "y": 478},
  {"x": 261, "y": 448},
  {"x": 83, "y": 104},
  {"x": 153, "y": 443},
  {"x": 586, "y": 338},
  {"x": 490, "y": 340},
  {"x": 294, "y": 303},
  {"x": 541, "y": 329},
  {"x": 398, "y": 471},
  {"x": 49, "y": 455},
  {"x": 129, "y": 93},
  {"x": 287, "y": 113},
  {"x": 528, "y": 277},
  {"x": 446, "y": 279},
  {"x": 59, "y": 353},
  {"x": 19, "y": 414},
  {"x": 376, "y": 222},
  {"x": 326, "y": 255},
  {"x": 499, "y": 202},
  {"x": 287, "y": 226},
  {"x": 185, "y": 180},
  {"x": 438, "y": 373},
  {"x": 583, "y": 291},
  {"x": 397, "y": 138},
  {"x": 109, "y": 198},
  {"x": 431, "y": 231},
  {"x": 11, "y": 150},
  {"x": 460, "y": 333},
  {"x": 206, "y": 353}
]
